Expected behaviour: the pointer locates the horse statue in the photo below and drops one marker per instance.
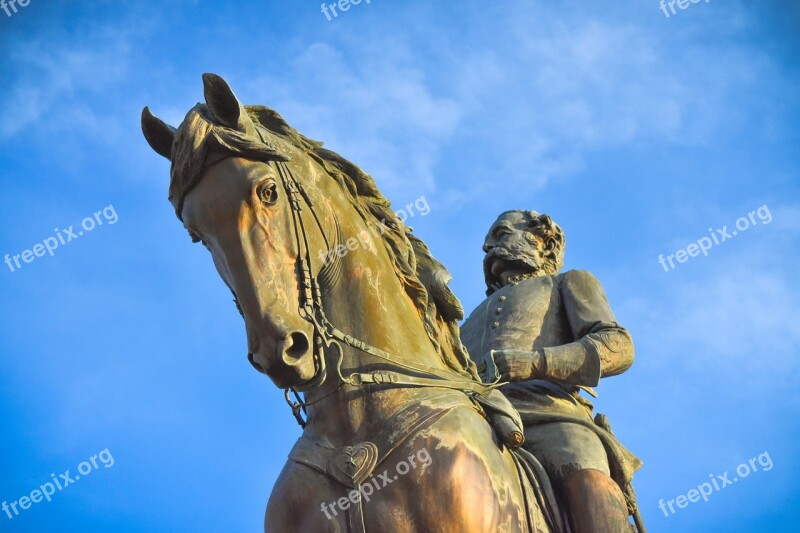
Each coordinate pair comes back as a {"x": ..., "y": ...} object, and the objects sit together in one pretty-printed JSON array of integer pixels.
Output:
[{"x": 349, "y": 313}]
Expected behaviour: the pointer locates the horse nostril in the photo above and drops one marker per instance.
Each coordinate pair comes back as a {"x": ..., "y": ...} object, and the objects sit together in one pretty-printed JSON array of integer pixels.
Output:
[{"x": 298, "y": 345}]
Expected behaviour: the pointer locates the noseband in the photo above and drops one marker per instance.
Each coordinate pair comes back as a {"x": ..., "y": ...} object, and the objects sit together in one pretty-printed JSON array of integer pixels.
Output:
[{"x": 326, "y": 335}]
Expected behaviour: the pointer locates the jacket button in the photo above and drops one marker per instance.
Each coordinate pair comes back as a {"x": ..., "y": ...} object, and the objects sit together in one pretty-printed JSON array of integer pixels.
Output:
[
  {"x": 502, "y": 298},
  {"x": 495, "y": 325},
  {"x": 498, "y": 310}
]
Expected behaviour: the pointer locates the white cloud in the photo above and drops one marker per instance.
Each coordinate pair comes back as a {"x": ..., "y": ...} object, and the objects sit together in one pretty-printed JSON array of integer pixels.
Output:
[
  {"x": 737, "y": 319},
  {"x": 555, "y": 85},
  {"x": 379, "y": 112},
  {"x": 54, "y": 83}
]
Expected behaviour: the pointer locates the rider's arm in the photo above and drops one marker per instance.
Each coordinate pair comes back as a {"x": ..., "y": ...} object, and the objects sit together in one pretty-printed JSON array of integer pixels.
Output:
[{"x": 601, "y": 347}]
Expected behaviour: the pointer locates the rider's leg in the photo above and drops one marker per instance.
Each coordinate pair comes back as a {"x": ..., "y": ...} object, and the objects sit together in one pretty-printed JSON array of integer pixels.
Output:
[
  {"x": 577, "y": 464},
  {"x": 596, "y": 503}
]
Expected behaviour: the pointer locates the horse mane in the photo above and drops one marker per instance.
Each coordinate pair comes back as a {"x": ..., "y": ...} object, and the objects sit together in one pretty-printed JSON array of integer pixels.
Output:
[{"x": 424, "y": 279}]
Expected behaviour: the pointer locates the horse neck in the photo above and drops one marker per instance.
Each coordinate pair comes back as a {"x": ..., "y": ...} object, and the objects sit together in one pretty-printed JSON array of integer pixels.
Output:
[{"x": 370, "y": 304}]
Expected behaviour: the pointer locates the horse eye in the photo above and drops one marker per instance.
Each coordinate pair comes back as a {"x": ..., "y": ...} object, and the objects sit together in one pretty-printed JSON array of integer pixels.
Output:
[{"x": 268, "y": 192}]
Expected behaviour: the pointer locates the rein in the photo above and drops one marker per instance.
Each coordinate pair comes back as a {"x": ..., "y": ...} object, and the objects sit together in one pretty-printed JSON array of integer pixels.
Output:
[{"x": 326, "y": 335}]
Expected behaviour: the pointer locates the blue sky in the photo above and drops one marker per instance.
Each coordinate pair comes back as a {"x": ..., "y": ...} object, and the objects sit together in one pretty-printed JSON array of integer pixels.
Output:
[{"x": 635, "y": 132}]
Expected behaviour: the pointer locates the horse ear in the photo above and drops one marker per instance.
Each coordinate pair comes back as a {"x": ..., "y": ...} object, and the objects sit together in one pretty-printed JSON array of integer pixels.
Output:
[
  {"x": 224, "y": 105},
  {"x": 159, "y": 135}
]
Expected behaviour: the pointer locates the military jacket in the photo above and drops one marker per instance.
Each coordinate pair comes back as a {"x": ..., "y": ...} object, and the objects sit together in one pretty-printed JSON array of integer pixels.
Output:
[{"x": 566, "y": 317}]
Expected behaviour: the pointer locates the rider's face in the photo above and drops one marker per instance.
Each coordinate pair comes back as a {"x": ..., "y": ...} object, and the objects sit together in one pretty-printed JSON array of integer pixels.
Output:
[{"x": 511, "y": 248}]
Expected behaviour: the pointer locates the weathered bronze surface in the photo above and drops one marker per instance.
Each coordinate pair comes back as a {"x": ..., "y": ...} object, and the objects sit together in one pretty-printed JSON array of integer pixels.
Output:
[
  {"x": 551, "y": 335},
  {"x": 400, "y": 433}
]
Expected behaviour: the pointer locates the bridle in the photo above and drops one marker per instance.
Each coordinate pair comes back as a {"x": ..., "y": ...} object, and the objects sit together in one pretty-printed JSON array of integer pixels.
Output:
[{"x": 326, "y": 335}]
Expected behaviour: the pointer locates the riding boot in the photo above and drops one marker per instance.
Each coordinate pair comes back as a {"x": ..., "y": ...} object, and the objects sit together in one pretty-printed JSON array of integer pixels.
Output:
[{"x": 596, "y": 503}]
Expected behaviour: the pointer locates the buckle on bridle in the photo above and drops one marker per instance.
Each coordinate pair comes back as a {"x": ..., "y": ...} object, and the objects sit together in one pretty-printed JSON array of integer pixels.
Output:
[{"x": 297, "y": 407}]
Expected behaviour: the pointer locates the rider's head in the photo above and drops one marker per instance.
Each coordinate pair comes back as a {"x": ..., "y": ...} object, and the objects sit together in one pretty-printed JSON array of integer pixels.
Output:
[{"x": 520, "y": 243}]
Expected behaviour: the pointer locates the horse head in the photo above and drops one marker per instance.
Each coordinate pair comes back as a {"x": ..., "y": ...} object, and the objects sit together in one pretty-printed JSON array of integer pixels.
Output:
[
  {"x": 227, "y": 190},
  {"x": 277, "y": 240}
]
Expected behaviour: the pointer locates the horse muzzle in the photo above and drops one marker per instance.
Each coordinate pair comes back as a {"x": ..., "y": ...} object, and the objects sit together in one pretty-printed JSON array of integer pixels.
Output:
[{"x": 291, "y": 362}]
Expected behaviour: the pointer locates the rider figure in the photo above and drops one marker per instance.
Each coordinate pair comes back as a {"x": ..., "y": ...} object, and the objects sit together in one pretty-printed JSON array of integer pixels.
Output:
[{"x": 551, "y": 335}]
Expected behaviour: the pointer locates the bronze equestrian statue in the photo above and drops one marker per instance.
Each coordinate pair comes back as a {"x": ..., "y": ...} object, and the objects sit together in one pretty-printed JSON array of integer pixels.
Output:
[
  {"x": 399, "y": 431},
  {"x": 552, "y": 335}
]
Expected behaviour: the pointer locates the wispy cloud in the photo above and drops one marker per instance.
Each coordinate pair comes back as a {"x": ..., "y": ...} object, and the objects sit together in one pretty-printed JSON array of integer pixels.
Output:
[
  {"x": 735, "y": 317},
  {"x": 59, "y": 84},
  {"x": 380, "y": 112},
  {"x": 557, "y": 84}
]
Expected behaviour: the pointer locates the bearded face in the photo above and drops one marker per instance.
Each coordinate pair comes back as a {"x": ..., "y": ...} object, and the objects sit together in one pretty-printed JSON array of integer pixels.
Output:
[{"x": 521, "y": 243}]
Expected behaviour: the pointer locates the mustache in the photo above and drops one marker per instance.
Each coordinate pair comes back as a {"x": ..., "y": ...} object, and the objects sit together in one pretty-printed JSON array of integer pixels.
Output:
[
  {"x": 511, "y": 258},
  {"x": 509, "y": 255}
]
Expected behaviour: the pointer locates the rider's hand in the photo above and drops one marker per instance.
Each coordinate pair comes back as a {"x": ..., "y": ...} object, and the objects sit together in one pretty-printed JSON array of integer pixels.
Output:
[
  {"x": 517, "y": 365},
  {"x": 480, "y": 366}
]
